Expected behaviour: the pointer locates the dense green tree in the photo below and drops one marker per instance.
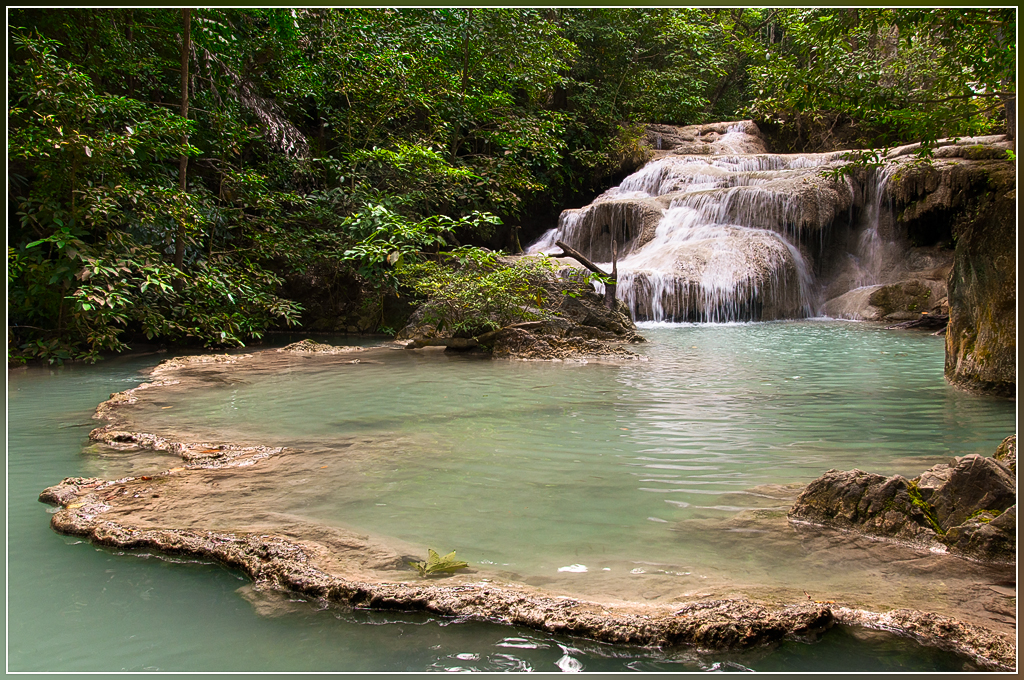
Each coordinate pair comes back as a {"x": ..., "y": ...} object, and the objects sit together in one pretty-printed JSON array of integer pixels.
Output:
[
  {"x": 99, "y": 206},
  {"x": 893, "y": 75},
  {"x": 169, "y": 169}
]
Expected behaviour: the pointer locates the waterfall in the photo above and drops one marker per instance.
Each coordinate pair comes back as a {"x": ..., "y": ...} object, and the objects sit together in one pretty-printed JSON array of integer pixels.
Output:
[
  {"x": 874, "y": 247},
  {"x": 711, "y": 238}
]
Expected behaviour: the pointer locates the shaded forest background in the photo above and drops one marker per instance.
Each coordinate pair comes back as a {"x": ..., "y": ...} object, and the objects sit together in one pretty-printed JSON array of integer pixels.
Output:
[{"x": 207, "y": 175}]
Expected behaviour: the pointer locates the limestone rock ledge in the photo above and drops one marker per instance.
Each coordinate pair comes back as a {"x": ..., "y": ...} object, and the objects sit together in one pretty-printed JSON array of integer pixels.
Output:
[
  {"x": 282, "y": 563},
  {"x": 967, "y": 507},
  {"x": 972, "y": 189},
  {"x": 340, "y": 567}
]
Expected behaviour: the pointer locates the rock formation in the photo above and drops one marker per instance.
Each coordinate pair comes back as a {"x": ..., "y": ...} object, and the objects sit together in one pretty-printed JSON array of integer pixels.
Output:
[
  {"x": 576, "y": 325},
  {"x": 716, "y": 228},
  {"x": 968, "y": 506},
  {"x": 709, "y": 229}
]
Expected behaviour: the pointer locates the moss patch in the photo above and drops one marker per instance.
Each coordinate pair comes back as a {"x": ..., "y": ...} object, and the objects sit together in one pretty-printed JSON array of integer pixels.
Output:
[
  {"x": 925, "y": 507},
  {"x": 984, "y": 516}
]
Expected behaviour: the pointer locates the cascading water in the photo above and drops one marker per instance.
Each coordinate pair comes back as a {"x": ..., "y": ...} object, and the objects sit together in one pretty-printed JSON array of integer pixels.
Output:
[
  {"x": 711, "y": 238},
  {"x": 872, "y": 253}
]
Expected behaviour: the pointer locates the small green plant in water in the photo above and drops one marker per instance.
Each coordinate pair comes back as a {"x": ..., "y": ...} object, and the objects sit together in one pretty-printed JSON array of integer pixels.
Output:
[{"x": 436, "y": 564}]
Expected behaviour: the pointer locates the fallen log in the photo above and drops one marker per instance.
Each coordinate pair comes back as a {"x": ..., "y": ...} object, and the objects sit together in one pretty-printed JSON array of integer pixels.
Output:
[
  {"x": 611, "y": 280},
  {"x": 927, "y": 321}
]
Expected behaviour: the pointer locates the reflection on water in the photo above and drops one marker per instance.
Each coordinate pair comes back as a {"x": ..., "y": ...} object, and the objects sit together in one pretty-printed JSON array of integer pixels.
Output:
[{"x": 660, "y": 480}]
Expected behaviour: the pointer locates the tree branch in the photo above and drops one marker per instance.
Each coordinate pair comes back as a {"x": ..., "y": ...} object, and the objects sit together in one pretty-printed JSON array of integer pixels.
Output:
[
  {"x": 986, "y": 95},
  {"x": 612, "y": 278},
  {"x": 579, "y": 257}
]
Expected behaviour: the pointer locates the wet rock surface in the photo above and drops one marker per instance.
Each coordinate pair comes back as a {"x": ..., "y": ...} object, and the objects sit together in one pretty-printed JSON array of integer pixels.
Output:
[
  {"x": 763, "y": 280},
  {"x": 313, "y": 347},
  {"x": 706, "y": 138},
  {"x": 967, "y": 506},
  {"x": 861, "y": 500},
  {"x": 1007, "y": 453}
]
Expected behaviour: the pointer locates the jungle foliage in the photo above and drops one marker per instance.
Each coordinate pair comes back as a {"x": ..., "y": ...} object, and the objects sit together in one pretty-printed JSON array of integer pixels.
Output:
[{"x": 162, "y": 187}]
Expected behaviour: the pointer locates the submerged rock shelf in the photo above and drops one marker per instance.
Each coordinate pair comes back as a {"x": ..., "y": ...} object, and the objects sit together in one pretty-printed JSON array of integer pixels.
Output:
[{"x": 183, "y": 510}]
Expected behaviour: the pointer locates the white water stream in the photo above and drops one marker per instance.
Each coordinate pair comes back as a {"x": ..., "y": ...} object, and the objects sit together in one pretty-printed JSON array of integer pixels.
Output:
[{"x": 720, "y": 238}]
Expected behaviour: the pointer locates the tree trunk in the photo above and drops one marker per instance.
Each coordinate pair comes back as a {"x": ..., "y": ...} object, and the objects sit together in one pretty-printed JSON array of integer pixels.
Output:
[
  {"x": 612, "y": 284},
  {"x": 1010, "y": 106},
  {"x": 186, "y": 48}
]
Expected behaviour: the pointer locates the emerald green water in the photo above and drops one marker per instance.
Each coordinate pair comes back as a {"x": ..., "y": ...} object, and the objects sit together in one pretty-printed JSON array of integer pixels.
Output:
[{"x": 644, "y": 473}]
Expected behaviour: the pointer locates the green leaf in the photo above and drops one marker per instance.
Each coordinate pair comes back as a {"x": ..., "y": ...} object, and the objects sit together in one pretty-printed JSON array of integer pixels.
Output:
[{"x": 436, "y": 564}]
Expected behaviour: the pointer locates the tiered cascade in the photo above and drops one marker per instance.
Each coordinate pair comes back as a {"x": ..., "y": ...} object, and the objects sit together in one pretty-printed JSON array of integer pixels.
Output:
[{"x": 712, "y": 238}]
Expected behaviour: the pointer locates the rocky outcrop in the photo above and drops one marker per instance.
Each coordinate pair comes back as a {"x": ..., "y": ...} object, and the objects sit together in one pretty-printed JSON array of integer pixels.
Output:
[
  {"x": 981, "y": 347},
  {"x": 1007, "y": 453},
  {"x": 709, "y": 138},
  {"x": 559, "y": 340},
  {"x": 906, "y": 300},
  {"x": 578, "y": 326},
  {"x": 874, "y": 504},
  {"x": 967, "y": 506},
  {"x": 969, "y": 193}
]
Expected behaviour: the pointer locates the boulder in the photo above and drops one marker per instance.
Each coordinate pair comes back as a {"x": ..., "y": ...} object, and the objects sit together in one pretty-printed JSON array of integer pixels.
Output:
[
  {"x": 988, "y": 536},
  {"x": 866, "y": 502},
  {"x": 1007, "y": 453},
  {"x": 967, "y": 506},
  {"x": 973, "y": 484},
  {"x": 904, "y": 300},
  {"x": 901, "y": 301}
]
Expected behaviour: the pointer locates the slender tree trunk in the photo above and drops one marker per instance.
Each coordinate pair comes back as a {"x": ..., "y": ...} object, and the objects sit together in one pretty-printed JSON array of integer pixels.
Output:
[
  {"x": 1010, "y": 105},
  {"x": 186, "y": 48},
  {"x": 456, "y": 137},
  {"x": 131, "y": 41}
]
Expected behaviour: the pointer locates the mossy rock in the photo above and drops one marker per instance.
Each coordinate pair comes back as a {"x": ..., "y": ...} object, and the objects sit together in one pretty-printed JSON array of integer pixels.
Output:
[{"x": 907, "y": 296}]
